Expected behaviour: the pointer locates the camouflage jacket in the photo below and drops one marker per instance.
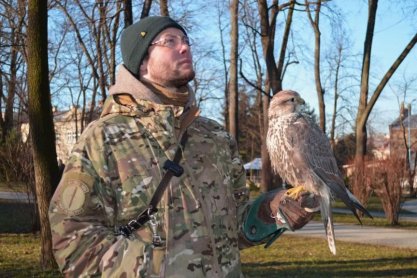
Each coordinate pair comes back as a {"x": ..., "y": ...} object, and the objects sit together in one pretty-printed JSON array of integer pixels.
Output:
[{"x": 113, "y": 172}]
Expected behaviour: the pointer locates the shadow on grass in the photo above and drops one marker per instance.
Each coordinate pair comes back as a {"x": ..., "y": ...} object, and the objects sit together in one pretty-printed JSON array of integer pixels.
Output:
[
  {"x": 30, "y": 272},
  {"x": 334, "y": 268},
  {"x": 16, "y": 217}
]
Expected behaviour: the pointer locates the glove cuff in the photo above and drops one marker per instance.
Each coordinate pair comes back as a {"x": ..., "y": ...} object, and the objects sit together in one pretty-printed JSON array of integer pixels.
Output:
[{"x": 259, "y": 225}]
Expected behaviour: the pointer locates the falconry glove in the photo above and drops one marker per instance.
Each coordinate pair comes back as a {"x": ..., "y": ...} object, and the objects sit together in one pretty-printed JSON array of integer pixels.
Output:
[
  {"x": 274, "y": 212},
  {"x": 293, "y": 213}
]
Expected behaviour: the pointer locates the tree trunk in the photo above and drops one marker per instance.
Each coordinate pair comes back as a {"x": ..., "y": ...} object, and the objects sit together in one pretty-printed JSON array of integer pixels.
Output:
[
  {"x": 8, "y": 115},
  {"x": 267, "y": 39},
  {"x": 336, "y": 95},
  {"x": 233, "y": 88},
  {"x": 99, "y": 29},
  {"x": 266, "y": 173},
  {"x": 365, "y": 108},
  {"x": 112, "y": 37},
  {"x": 317, "y": 47},
  {"x": 164, "y": 7},
  {"x": 275, "y": 72},
  {"x": 146, "y": 8},
  {"x": 225, "y": 69},
  {"x": 1, "y": 105},
  {"x": 366, "y": 65},
  {"x": 127, "y": 7},
  {"x": 40, "y": 120}
]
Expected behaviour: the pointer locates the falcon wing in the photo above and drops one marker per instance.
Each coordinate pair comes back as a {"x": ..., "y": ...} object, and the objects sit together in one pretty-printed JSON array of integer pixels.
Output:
[{"x": 311, "y": 151}]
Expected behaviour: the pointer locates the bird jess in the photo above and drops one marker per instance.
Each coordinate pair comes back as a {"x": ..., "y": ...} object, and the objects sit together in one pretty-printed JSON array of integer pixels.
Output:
[{"x": 301, "y": 154}]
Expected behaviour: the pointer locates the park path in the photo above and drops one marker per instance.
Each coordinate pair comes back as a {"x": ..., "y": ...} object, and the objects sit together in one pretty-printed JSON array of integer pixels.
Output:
[
  {"x": 410, "y": 206},
  {"x": 17, "y": 196},
  {"x": 393, "y": 237}
]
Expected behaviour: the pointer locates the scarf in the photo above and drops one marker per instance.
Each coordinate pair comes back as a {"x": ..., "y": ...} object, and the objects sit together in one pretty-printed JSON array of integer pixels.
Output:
[{"x": 170, "y": 96}]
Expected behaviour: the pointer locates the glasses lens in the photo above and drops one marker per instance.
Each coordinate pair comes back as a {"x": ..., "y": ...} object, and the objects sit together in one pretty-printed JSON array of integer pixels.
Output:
[
  {"x": 186, "y": 40},
  {"x": 173, "y": 41}
]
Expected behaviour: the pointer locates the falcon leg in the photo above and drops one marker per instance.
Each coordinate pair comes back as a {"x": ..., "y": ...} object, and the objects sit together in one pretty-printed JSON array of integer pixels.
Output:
[{"x": 295, "y": 192}]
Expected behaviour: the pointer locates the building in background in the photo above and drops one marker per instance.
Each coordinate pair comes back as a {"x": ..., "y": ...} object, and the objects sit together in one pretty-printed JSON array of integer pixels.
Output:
[
  {"x": 403, "y": 141},
  {"x": 403, "y": 135},
  {"x": 68, "y": 128}
]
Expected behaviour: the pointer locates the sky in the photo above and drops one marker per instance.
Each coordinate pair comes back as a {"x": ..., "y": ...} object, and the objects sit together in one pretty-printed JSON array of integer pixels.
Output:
[{"x": 393, "y": 31}]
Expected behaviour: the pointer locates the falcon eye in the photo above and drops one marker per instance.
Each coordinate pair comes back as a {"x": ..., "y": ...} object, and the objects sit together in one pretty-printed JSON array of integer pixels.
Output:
[{"x": 292, "y": 100}]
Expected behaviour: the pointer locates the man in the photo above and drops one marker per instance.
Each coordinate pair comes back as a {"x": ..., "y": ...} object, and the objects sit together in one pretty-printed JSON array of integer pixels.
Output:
[{"x": 204, "y": 216}]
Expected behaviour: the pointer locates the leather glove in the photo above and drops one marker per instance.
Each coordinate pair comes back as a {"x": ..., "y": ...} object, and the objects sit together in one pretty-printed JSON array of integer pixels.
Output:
[
  {"x": 293, "y": 213},
  {"x": 274, "y": 212}
]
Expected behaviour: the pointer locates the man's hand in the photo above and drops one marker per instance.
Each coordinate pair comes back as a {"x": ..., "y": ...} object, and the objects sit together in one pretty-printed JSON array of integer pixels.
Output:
[{"x": 293, "y": 213}]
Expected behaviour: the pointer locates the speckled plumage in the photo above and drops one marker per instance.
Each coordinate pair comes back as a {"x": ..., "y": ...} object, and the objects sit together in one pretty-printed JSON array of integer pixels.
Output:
[{"x": 301, "y": 154}]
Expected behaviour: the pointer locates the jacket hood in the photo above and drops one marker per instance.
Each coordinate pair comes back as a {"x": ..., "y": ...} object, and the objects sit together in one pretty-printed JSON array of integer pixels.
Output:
[
  {"x": 130, "y": 96},
  {"x": 128, "y": 84}
]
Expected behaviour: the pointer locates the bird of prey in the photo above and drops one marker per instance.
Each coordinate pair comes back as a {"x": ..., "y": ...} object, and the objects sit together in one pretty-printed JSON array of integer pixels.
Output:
[{"x": 301, "y": 154}]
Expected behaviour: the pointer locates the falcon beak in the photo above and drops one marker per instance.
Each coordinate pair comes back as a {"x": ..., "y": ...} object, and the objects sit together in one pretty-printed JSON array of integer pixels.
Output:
[{"x": 301, "y": 101}]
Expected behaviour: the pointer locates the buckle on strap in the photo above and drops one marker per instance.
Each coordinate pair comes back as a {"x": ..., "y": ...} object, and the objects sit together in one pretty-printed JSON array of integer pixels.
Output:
[
  {"x": 173, "y": 167},
  {"x": 157, "y": 240},
  {"x": 134, "y": 224}
]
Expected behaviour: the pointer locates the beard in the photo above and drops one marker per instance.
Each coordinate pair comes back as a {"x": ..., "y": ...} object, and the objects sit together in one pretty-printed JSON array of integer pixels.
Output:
[{"x": 164, "y": 74}]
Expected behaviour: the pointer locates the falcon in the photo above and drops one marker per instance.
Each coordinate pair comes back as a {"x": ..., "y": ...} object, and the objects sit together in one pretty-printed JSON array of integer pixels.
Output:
[{"x": 301, "y": 154}]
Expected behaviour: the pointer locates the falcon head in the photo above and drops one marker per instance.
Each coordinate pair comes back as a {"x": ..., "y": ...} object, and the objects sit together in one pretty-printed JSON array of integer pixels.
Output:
[{"x": 284, "y": 103}]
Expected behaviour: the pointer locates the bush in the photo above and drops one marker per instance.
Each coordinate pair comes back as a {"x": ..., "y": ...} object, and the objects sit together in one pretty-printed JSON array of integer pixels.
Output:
[
  {"x": 387, "y": 176},
  {"x": 16, "y": 162}
]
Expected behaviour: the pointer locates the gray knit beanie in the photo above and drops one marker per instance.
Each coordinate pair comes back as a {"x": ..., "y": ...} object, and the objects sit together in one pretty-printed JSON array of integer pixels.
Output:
[{"x": 136, "y": 39}]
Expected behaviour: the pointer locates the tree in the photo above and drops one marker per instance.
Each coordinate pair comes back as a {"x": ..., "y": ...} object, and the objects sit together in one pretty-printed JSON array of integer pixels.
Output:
[
  {"x": 164, "y": 7},
  {"x": 340, "y": 77},
  {"x": 365, "y": 107},
  {"x": 275, "y": 70},
  {"x": 336, "y": 62},
  {"x": 317, "y": 48},
  {"x": 385, "y": 179},
  {"x": 40, "y": 121},
  {"x": 12, "y": 26},
  {"x": 127, "y": 8},
  {"x": 251, "y": 114},
  {"x": 220, "y": 15},
  {"x": 233, "y": 81},
  {"x": 408, "y": 146},
  {"x": 249, "y": 138},
  {"x": 344, "y": 149},
  {"x": 101, "y": 21},
  {"x": 146, "y": 8}
]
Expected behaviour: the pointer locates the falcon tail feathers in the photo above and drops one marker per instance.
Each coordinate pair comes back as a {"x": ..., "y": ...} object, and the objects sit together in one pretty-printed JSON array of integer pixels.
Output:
[
  {"x": 356, "y": 205},
  {"x": 326, "y": 215},
  {"x": 330, "y": 234}
]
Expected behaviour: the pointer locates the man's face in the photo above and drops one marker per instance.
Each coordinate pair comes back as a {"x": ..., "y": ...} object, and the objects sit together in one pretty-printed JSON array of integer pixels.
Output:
[{"x": 169, "y": 61}]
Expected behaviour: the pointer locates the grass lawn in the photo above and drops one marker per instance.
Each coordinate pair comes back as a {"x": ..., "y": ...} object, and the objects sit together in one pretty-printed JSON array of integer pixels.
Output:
[
  {"x": 294, "y": 256},
  {"x": 19, "y": 257},
  {"x": 289, "y": 256},
  {"x": 376, "y": 221}
]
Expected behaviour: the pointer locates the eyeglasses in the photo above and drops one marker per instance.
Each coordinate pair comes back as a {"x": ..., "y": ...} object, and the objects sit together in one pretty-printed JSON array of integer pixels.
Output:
[{"x": 173, "y": 41}]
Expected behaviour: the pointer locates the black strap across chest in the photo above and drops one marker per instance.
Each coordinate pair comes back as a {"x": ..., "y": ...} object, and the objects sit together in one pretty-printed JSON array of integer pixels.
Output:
[{"x": 172, "y": 168}]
